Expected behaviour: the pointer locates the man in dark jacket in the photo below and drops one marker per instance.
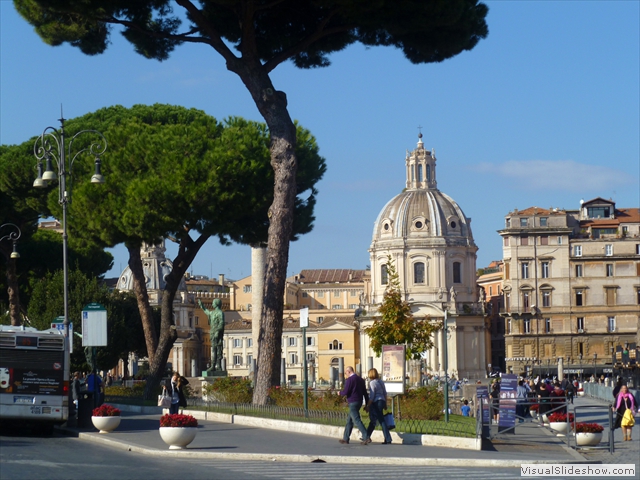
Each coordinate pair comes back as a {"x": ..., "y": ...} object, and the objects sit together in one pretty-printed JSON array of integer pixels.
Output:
[{"x": 356, "y": 392}]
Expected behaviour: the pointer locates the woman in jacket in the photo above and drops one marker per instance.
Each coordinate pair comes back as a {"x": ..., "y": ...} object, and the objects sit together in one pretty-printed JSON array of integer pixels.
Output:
[
  {"x": 377, "y": 403},
  {"x": 175, "y": 390},
  {"x": 624, "y": 402}
]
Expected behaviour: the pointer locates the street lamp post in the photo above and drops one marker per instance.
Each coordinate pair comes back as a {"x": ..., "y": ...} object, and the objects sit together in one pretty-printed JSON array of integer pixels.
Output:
[
  {"x": 580, "y": 372},
  {"x": 50, "y": 147},
  {"x": 445, "y": 358},
  {"x": 12, "y": 280},
  {"x": 595, "y": 357}
]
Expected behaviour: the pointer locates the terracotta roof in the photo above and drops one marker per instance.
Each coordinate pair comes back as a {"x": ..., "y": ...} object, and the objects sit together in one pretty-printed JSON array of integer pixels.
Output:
[
  {"x": 627, "y": 215},
  {"x": 344, "y": 320},
  {"x": 238, "y": 325},
  {"x": 335, "y": 275}
]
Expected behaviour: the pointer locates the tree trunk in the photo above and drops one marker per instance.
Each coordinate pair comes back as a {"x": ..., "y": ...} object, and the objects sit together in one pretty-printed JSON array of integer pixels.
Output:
[
  {"x": 272, "y": 105},
  {"x": 168, "y": 333},
  {"x": 142, "y": 297},
  {"x": 14, "y": 293}
]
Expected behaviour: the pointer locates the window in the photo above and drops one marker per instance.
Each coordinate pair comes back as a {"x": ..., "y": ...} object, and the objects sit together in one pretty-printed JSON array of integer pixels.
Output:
[
  {"x": 353, "y": 306},
  {"x": 578, "y": 270},
  {"x": 527, "y": 325},
  {"x": 525, "y": 301},
  {"x": 598, "y": 212},
  {"x": 509, "y": 326},
  {"x": 335, "y": 345},
  {"x": 310, "y": 357},
  {"x": 249, "y": 360},
  {"x": 320, "y": 319},
  {"x": 428, "y": 173},
  {"x": 490, "y": 291},
  {"x": 559, "y": 240},
  {"x": 546, "y": 298},
  {"x": 637, "y": 248},
  {"x": 547, "y": 325},
  {"x": 237, "y": 342},
  {"x": 507, "y": 302},
  {"x": 609, "y": 269},
  {"x": 305, "y": 294},
  {"x": 246, "y": 289},
  {"x": 579, "y": 298},
  {"x": 608, "y": 250},
  {"x": 610, "y": 294},
  {"x": 457, "y": 273},
  {"x": 524, "y": 240},
  {"x": 523, "y": 222},
  {"x": 249, "y": 342},
  {"x": 336, "y": 307},
  {"x": 336, "y": 293},
  {"x": 505, "y": 241},
  {"x": 292, "y": 342},
  {"x": 577, "y": 250},
  {"x": 545, "y": 269},
  {"x": 196, "y": 317},
  {"x": 310, "y": 341},
  {"x": 384, "y": 275},
  {"x": 353, "y": 293},
  {"x": 580, "y": 324},
  {"x": 320, "y": 294},
  {"x": 543, "y": 221},
  {"x": 418, "y": 272},
  {"x": 507, "y": 270},
  {"x": 544, "y": 240},
  {"x": 580, "y": 348},
  {"x": 237, "y": 359},
  {"x": 611, "y": 324},
  {"x": 419, "y": 173},
  {"x": 524, "y": 270},
  {"x": 293, "y": 358},
  {"x": 507, "y": 222}
]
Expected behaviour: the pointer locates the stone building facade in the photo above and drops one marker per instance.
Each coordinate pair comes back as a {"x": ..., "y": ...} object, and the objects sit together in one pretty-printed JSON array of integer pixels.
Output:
[{"x": 571, "y": 286}]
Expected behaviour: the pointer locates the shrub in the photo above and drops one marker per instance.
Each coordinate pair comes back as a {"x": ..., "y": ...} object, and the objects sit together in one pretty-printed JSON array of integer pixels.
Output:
[
  {"x": 230, "y": 390},
  {"x": 106, "y": 410},
  {"x": 424, "y": 403},
  {"x": 177, "y": 420},
  {"x": 588, "y": 428}
]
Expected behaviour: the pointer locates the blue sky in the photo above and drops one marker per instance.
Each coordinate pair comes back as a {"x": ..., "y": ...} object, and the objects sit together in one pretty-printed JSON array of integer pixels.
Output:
[{"x": 544, "y": 112}]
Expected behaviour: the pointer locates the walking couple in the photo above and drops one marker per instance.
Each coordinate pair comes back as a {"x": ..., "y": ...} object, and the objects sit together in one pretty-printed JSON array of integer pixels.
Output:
[{"x": 375, "y": 401}]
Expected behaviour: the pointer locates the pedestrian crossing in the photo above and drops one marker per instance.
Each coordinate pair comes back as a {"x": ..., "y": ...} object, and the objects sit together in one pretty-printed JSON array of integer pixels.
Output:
[{"x": 322, "y": 471}]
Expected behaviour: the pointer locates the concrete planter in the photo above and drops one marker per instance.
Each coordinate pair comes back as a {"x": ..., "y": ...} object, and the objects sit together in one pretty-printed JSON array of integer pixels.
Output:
[
  {"x": 562, "y": 428},
  {"x": 178, "y": 437},
  {"x": 106, "y": 424},
  {"x": 588, "y": 439}
]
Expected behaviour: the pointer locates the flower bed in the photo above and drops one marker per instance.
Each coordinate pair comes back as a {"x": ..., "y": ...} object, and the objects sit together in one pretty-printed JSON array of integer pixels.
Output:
[
  {"x": 106, "y": 410},
  {"x": 178, "y": 420}
]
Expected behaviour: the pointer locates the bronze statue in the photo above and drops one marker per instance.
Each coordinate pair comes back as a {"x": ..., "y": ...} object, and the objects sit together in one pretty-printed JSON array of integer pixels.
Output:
[{"x": 216, "y": 332}]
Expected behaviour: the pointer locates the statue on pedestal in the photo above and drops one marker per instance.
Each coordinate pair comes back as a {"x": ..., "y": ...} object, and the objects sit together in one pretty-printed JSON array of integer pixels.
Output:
[{"x": 216, "y": 333}]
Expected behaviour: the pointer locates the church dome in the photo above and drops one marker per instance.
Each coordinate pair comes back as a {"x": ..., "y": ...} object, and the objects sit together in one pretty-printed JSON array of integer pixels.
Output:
[
  {"x": 429, "y": 240},
  {"x": 422, "y": 212},
  {"x": 155, "y": 266}
]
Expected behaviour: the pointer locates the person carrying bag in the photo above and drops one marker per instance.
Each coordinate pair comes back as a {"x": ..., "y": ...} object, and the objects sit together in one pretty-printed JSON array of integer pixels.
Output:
[
  {"x": 377, "y": 403},
  {"x": 625, "y": 408}
]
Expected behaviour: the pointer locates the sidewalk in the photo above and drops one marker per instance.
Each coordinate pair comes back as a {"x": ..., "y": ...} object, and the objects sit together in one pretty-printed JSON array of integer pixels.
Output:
[{"x": 216, "y": 440}]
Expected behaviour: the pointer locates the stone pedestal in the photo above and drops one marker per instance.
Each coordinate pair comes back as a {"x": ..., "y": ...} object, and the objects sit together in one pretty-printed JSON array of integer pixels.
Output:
[{"x": 214, "y": 373}]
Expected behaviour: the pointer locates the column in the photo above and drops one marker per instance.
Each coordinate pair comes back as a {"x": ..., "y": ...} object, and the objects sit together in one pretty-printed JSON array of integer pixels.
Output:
[{"x": 258, "y": 266}]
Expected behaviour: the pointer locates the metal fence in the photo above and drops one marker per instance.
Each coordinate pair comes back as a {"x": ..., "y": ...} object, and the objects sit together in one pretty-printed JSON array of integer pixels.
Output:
[{"x": 455, "y": 427}]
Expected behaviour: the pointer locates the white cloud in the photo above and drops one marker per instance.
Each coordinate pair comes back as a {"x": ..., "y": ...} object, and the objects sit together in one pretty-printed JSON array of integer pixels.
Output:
[{"x": 566, "y": 175}]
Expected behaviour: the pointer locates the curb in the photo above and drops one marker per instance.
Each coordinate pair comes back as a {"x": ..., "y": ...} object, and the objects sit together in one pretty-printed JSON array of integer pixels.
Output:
[{"x": 335, "y": 459}]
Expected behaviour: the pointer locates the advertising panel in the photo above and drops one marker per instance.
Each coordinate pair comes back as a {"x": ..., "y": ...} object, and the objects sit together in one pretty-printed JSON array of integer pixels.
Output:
[{"x": 393, "y": 368}]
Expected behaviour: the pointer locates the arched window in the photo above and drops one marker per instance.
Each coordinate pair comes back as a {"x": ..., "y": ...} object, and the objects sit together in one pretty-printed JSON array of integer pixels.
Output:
[
  {"x": 419, "y": 173},
  {"x": 384, "y": 275},
  {"x": 418, "y": 272},
  {"x": 428, "y": 173},
  {"x": 457, "y": 272}
]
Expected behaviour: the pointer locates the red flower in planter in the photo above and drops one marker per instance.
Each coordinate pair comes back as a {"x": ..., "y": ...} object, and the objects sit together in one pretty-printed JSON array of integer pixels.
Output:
[
  {"x": 560, "y": 417},
  {"x": 106, "y": 410},
  {"x": 583, "y": 427},
  {"x": 177, "y": 420},
  {"x": 535, "y": 407}
]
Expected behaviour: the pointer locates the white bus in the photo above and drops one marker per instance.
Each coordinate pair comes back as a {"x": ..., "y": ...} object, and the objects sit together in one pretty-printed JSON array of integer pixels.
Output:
[{"x": 34, "y": 377}]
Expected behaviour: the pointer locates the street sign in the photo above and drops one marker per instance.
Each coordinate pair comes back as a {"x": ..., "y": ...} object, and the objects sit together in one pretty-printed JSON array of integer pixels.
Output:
[
  {"x": 94, "y": 325},
  {"x": 58, "y": 324},
  {"x": 304, "y": 317}
]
